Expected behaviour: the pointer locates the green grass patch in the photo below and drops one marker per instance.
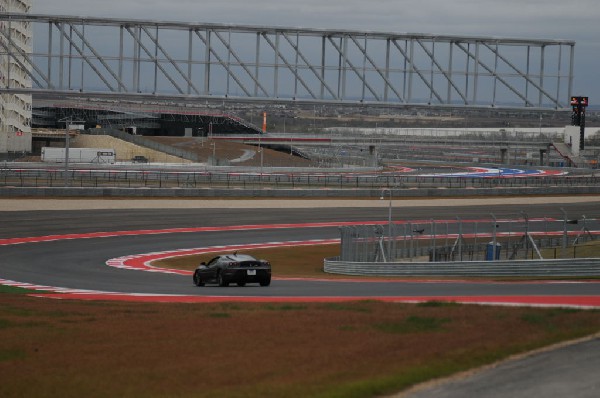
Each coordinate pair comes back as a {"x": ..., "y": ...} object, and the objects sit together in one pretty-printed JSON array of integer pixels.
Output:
[
  {"x": 548, "y": 319},
  {"x": 437, "y": 304},
  {"x": 219, "y": 315},
  {"x": 18, "y": 311},
  {"x": 413, "y": 324},
  {"x": 286, "y": 307},
  {"x": 542, "y": 320},
  {"x": 27, "y": 323},
  {"x": 16, "y": 290},
  {"x": 11, "y": 355},
  {"x": 231, "y": 306},
  {"x": 352, "y": 307},
  {"x": 347, "y": 328},
  {"x": 5, "y": 324}
]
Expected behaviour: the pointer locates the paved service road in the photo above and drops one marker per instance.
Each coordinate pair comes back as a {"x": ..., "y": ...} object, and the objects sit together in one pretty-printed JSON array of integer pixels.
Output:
[{"x": 571, "y": 371}]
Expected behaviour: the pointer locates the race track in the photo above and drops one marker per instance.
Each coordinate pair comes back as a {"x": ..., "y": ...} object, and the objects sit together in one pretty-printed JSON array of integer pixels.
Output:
[{"x": 69, "y": 257}]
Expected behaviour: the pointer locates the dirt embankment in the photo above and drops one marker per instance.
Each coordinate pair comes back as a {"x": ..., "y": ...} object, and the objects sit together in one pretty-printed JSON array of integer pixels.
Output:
[{"x": 233, "y": 152}]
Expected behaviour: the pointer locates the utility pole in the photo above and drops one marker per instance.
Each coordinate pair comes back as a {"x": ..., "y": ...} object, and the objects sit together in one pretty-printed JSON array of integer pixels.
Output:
[
  {"x": 68, "y": 122},
  {"x": 389, "y": 191}
]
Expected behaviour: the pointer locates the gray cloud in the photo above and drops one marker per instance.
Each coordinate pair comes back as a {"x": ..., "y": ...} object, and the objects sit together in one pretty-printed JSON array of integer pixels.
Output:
[
  {"x": 502, "y": 17},
  {"x": 551, "y": 19}
]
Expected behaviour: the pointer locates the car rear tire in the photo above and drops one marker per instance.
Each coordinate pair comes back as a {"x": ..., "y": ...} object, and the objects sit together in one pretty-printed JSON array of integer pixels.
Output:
[
  {"x": 221, "y": 281},
  {"x": 198, "y": 279},
  {"x": 265, "y": 282}
]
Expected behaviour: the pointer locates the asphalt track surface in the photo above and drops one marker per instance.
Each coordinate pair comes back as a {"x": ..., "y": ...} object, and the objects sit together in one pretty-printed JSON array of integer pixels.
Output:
[{"x": 80, "y": 262}]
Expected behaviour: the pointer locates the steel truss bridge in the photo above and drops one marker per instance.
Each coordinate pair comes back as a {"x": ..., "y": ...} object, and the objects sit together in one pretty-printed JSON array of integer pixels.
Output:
[{"x": 98, "y": 57}]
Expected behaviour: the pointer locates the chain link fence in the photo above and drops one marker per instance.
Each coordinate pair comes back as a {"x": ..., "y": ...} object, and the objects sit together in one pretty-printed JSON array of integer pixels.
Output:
[{"x": 467, "y": 240}]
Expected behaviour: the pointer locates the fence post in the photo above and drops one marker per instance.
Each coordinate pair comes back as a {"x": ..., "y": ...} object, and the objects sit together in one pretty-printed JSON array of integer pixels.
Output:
[
  {"x": 410, "y": 229},
  {"x": 460, "y": 240},
  {"x": 433, "y": 239},
  {"x": 404, "y": 242}
]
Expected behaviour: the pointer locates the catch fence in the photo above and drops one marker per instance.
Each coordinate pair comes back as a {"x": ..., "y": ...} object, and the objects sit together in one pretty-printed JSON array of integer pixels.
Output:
[
  {"x": 468, "y": 240},
  {"x": 16, "y": 175}
]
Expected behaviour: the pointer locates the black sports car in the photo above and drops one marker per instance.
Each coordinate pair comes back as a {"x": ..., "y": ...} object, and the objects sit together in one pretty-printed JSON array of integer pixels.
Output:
[{"x": 233, "y": 268}]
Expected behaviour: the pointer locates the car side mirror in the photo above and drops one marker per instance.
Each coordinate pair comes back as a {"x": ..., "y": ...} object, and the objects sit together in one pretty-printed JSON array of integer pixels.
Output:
[{"x": 203, "y": 263}]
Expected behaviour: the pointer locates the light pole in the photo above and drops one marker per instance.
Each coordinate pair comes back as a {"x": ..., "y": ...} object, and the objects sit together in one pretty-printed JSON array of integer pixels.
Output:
[
  {"x": 67, "y": 137},
  {"x": 389, "y": 191},
  {"x": 68, "y": 122},
  {"x": 460, "y": 238},
  {"x": 214, "y": 153},
  {"x": 564, "y": 237},
  {"x": 433, "y": 239},
  {"x": 261, "y": 150},
  {"x": 526, "y": 218}
]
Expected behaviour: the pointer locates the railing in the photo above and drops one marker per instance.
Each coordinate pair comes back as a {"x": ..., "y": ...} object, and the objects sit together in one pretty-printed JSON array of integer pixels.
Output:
[
  {"x": 85, "y": 175},
  {"x": 517, "y": 246},
  {"x": 530, "y": 268},
  {"x": 467, "y": 240}
]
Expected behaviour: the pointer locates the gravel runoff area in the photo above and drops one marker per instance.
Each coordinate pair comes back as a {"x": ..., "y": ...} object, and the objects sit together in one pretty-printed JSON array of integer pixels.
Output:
[{"x": 26, "y": 204}]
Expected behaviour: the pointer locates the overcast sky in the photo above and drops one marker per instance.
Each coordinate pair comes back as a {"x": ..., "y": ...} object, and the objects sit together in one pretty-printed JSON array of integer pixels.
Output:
[{"x": 577, "y": 20}]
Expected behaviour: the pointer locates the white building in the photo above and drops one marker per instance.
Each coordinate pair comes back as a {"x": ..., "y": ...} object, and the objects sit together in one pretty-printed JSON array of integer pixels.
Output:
[{"x": 15, "y": 109}]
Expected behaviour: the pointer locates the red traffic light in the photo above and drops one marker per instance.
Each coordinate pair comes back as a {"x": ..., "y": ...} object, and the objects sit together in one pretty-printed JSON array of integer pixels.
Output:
[{"x": 579, "y": 101}]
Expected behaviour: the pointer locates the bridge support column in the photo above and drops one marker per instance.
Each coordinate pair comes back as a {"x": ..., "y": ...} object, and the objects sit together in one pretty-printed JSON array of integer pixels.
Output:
[
  {"x": 503, "y": 152},
  {"x": 373, "y": 155},
  {"x": 542, "y": 153}
]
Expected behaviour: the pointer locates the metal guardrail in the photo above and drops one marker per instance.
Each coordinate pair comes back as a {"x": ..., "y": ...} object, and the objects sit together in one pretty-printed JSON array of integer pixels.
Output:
[{"x": 536, "y": 268}]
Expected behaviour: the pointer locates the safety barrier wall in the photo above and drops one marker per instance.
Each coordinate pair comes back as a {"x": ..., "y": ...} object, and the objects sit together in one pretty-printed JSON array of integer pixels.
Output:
[{"x": 537, "y": 268}]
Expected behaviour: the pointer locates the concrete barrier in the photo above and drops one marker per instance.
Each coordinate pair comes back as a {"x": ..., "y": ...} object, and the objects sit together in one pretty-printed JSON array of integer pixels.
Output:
[{"x": 530, "y": 268}]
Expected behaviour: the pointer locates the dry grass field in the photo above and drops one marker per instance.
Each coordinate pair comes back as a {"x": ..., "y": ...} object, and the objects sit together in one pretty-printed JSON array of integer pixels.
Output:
[{"x": 51, "y": 348}]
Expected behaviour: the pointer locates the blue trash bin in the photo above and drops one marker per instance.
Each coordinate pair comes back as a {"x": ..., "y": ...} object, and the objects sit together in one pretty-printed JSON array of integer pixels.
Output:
[{"x": 489, "y": 253}]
